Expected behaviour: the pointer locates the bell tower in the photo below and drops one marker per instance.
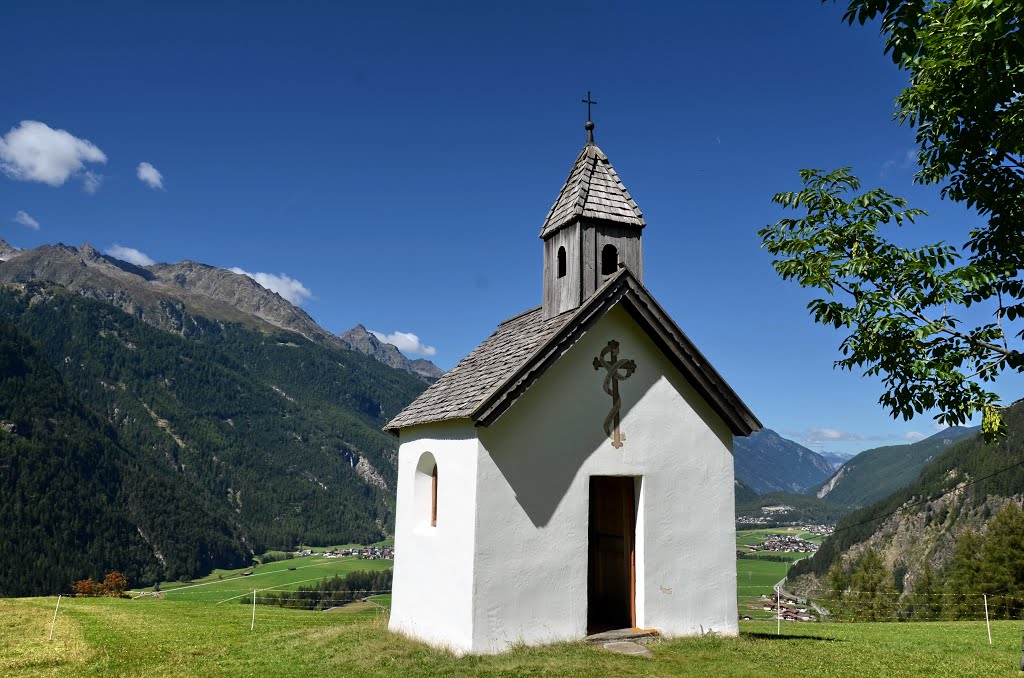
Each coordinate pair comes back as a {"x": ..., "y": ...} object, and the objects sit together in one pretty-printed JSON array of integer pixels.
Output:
[{"x": 593, "y": 229}]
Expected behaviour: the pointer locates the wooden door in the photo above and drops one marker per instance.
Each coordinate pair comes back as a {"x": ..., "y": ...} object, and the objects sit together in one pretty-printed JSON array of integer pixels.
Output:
[{"x": 611, "y": 568}]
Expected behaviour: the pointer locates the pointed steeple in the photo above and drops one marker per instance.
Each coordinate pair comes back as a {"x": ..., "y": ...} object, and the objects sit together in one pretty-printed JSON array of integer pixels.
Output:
[
  {"x": 593, "y": 229},
  {"x": 593, "y": 190}
]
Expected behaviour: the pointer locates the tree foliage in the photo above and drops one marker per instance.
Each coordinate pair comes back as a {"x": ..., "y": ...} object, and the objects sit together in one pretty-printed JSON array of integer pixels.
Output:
[
  {"x": 114, "y": 585},
  {"x": 965, "y": 60},
  {"x": 895, "y": 301}
]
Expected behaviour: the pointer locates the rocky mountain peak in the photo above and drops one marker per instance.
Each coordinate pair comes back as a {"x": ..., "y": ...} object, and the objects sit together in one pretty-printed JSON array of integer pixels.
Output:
[
  {"x": 89, "y": 252},
  {"x": 363, "y": 341},
  {"x": 7, "y": 251}
]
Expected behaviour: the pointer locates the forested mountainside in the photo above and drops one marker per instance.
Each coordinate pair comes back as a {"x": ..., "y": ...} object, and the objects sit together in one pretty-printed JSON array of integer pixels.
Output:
[
  {"x": 801, "y": 508},
  {"x": 767, "y": 462},
  {"x": 875, "y": 474},
  {"x": 916, "y": 532},
  {"x": 197, "y": 451},
  {"x": 72, "y": 498}
]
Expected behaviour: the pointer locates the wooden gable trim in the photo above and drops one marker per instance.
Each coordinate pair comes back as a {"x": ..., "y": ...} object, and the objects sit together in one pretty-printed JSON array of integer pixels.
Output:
[{"x": 667, "y": 336}]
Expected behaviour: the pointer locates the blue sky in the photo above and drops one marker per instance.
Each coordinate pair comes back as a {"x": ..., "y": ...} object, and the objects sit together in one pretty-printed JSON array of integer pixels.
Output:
[{"x": 391, "y": 165}]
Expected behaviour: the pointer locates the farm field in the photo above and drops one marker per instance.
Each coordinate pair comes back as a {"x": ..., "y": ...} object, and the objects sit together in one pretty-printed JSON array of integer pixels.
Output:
[
  {"x": 755, "y": 578},
  {"x": 283, "y": 575},
  {"x": 109, "y": 637}
]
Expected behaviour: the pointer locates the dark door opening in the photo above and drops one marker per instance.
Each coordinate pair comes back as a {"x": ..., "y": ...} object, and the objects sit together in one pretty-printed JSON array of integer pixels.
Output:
[{"x": 611, "y": 569}]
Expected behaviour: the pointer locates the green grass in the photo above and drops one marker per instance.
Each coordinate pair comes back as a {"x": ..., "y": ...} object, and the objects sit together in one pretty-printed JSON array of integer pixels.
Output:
[
  {"x": 228, "y": 585},
  {"x": 158, "y": 638},
  {"x": 755, "y": 578},
  {"x": 384, "y": 600}
]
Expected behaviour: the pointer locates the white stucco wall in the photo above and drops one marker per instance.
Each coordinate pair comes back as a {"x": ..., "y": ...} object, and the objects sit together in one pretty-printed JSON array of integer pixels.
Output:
[
  {"x": 533, "y": 470},
  {"x": 433, "y": 580}
]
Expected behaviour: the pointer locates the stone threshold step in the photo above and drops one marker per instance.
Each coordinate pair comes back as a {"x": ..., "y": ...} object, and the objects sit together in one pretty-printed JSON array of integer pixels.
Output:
[{"x": 619, "y": 635}]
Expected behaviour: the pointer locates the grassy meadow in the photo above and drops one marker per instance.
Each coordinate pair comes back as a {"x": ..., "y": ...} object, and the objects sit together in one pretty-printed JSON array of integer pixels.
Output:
[
  {"x": 151, "y": 637},
  {"x": 224, "y": 586}
]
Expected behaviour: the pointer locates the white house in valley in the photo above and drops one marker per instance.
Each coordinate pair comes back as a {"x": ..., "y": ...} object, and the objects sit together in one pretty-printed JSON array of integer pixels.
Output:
[{"x": 574, "y": 473}]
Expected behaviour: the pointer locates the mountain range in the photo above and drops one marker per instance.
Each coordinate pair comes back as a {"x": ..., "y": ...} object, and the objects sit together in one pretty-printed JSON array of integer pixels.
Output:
[
  {"x": 362, "y": 340},
  {"x": 767, "y": 462},
  {"x": 173, "y": 418},
  {"x": 164, "y": 295},
  {"x": 877, "y": 473}
]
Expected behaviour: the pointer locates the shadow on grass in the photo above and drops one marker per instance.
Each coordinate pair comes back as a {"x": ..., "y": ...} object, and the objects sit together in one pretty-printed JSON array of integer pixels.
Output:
[{"x": 801, "y": 636}]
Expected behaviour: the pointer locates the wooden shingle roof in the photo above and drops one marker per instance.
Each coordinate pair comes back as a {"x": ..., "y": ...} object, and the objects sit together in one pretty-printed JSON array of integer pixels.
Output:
[
  {"x": 592, "y": 190},
  {"x": 500, "y": 370},
  {"x": 458, "y": 392}
]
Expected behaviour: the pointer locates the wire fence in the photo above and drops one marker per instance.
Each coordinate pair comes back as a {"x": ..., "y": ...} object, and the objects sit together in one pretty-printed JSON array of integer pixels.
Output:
[{"x": 853, "y": 606}]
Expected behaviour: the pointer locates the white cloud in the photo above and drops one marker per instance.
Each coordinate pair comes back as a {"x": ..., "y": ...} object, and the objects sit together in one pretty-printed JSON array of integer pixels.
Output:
[
  {"x": 129, "y": 254},
  {"x": 91, "y": 182},
  {"x": 909, "y": 160},
  {"x": 407, "y": 342},
  {"x": 823, "y": 435},
  {"x": 288, "y": 287},
  {"x": 25, "y": 219},
  {"x": 34, "y": 151},
  {"x": 149, "y": 175},
  {"x": 820, "y": 435}
]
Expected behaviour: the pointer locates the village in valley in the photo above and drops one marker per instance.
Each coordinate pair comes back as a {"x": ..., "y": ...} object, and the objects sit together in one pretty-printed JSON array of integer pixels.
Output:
[
  {"x": 362, "y": 553},
  {"x": 763, "y": 557}
]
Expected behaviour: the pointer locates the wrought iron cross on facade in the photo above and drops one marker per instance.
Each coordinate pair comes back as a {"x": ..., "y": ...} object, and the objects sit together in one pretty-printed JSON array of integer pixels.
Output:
[{"x": 618, "y": 370}]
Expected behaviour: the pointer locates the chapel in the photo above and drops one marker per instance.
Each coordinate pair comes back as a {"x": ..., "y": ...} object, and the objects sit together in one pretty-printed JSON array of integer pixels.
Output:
[{"x": 573, "y": 474}]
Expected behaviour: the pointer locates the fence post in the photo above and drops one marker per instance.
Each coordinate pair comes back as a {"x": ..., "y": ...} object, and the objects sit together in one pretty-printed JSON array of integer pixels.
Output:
[
  {"x": 778, "y": 610},
  {"x": 1022, "y": 652},
  {"x": 54, "y": 622},
  {"x": 253, "y": 624},
  {"x": 988, "y": 625}
]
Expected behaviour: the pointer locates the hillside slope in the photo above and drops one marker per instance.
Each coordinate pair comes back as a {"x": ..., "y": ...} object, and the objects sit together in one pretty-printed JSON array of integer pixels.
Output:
[
  {"x": 877, "y": 473},
  {"x": 767, "y": 462},
  {"x": 270, "y": 439},
  {"x": 958, "y": 490},
  {"x": 73, "y": 497}
]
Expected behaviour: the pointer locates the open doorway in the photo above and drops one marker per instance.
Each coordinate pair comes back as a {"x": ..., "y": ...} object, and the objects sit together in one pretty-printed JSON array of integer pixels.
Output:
[{"x": 611, "y": 569}]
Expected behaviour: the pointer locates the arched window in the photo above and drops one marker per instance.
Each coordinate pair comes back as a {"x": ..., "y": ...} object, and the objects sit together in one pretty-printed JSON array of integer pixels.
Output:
[
  {"x": 425, "y": 490},
  {"x": 561, "y": 262},
  {"x": 433, "y": 497},
  {"x": 609, "y": 260}
]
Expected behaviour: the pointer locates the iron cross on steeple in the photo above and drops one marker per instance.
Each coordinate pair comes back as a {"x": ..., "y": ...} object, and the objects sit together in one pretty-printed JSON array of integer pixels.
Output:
[
  {"x": 618, "y": 370},
  {"x": 590, "y": 123},
  {"x": 589, "y": 102}
]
